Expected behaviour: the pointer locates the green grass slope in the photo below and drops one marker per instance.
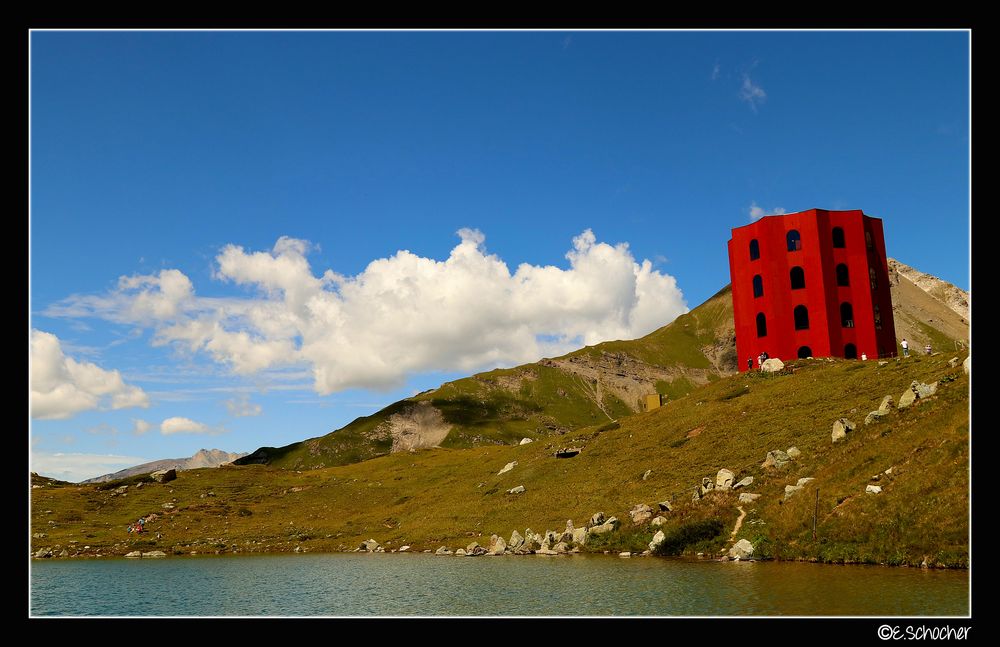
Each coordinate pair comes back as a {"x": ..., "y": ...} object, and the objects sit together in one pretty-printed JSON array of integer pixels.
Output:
[
  {"x": 453, "y": 496},
  {"x": 590, "y": 386}
]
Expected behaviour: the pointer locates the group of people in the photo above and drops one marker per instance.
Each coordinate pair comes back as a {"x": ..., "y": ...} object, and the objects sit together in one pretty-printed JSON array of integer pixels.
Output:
[
  {"x": 905, "y": 344},
  {"x": 137, "y": 527},
  {"x": 760, "y": 360},
  {"x": 906, "y": 347}
]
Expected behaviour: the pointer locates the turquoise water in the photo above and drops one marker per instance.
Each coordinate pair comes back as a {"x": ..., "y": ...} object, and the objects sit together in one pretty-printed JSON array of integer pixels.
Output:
[{"x": 420, "y": 584}]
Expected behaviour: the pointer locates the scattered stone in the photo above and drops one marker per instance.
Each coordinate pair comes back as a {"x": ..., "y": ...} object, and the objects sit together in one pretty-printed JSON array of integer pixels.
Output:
[
  {"x": 403, "y": 549},
  {"x": 793, "y": 453},
  {"x": 777, "y": 458},
  {"x": 561, "y": 547},
  {"x": 790, "y": 490},
  {"x": 625, "y": 554},
  {"x": 646, "y": 474},
  {"x": 516, "y": 490},
  {"x": 743, "y": 549},
  {"x": 658, "y": 539},
  {"x": 916, "y": 391},
  {"x": 154, "y": 553},
  {"x": 641, "y": 513},
  {"x": 873, "y": 489},
  {"x": 772, "y": 365},
  {"x": 135, "y": 554},
  {"x": 39, "y": 535},
  {"x": 953, "y": 362},
  {"x": 743, "y": 482},
  {"x": 370, "y": 545},
  {"x": 497, "y": 545},
  {"x": 724, "y": 479},
  {"x": 525, "y": 441},
  {"x": 883, "y": 363},
  {"x": 443, "y": 550},
  {"x": 508, "y": 467},
  {"x": 168, "y": 506},
  {"x": 580, "y": 536},
  {"x": 64, "y": 553},
  {"x": 608, "y": 526},
  {"x": 162, "y": 476},
  {"x": 967, "y": 365},
  {"x": 875, "y": 416},
  {"x": 597, "y": 519},
  {"x": 707, "y": 485},
  {"x": 746, "y": 497},
  {"x": 887, "y": 404},
  {"x": 516, "y": 540},
  {"x": 907, "y": 399},
  {"x": 841, "y": 427},
  {"x": 474, "y": 550},
  {"x": 664, "y": 506},
  {"x": 804, "y": 480},
  {"x": 121, "y": 490},
  {"x": 888, "y": 471},
  {"x": 657, "y": 521},
  {"x": 695, "y": 496},
  {"x": 545, "y": 550},
  {"x": 459, "y": 553},
  {"x": 926, "y": 390},
  {"x": 568, "y": 452},
  {"x": 600, "y": 530},
  {"x": 138, "y": 485}
]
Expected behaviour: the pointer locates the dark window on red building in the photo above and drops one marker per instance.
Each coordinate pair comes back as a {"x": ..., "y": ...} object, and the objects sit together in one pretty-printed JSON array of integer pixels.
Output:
[
  {"x": 842, "y": 277},
  {"x": 872, "y": 279},
  {"x": 878, "y": 320},
  {"x": 804, "y": 352},
  {"x": 761, "y": 325},
  {"x": 850, "y": 351},
  {"x": 801, "y": 318},
  {"x": 758, "y": 286},
  {"x": 754, "y": 250},
  {"x": 798, "y": 277},
  {"x": 846, "y": 315},
  {"x": 838, "y": 237},
  {"x": 868, "y": 239},
  {"x": 794, "y": 240}
]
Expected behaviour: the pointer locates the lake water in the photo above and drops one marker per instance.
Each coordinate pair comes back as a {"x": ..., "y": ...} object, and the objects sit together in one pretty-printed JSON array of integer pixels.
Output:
[{"x": 427, "y": 585}]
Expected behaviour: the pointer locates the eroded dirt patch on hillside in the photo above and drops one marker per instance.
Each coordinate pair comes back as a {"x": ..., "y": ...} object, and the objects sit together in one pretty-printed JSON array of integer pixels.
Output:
[{"x": 417, "y": 427}]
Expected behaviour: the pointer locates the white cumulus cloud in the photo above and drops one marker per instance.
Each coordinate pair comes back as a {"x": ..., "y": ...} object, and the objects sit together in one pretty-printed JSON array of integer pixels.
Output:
[
  {"x": 241, "y": 407},
  {"x": 178, "y": 425},
  {"x": 62, "y": 387},
  {"x": 758, "y": 212},
  {"x": 401, "y": 315},
  {"x": 140, "y": 426}
]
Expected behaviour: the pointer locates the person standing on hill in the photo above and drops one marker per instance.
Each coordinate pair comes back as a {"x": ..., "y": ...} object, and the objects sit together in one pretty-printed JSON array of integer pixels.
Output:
[{"x": 906, "y": 347}]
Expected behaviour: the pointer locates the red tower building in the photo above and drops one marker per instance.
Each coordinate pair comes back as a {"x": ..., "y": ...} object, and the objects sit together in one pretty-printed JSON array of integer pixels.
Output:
[{"x": 811, "y": 284}]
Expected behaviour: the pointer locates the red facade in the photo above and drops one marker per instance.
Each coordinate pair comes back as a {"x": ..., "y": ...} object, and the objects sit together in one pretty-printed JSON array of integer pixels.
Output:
[{"x": 811, "y": 284}]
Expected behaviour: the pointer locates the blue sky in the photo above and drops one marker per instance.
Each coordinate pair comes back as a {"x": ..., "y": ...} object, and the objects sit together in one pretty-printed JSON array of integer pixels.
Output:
[{"x": 190, "y": 189}]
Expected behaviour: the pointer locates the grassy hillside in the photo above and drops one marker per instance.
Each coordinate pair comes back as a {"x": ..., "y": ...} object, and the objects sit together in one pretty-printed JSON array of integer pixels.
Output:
[
  {"x": 452, "y": 496},
  {"x": 590, "y": 386}
]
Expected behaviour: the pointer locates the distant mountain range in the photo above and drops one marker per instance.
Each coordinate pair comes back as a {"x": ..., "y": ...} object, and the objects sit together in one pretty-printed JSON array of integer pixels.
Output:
[{"x": 203, "y": 458}]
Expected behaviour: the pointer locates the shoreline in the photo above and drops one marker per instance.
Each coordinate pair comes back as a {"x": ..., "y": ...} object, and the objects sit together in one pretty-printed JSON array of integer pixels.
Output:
[{"x": 429, "y": 553}]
